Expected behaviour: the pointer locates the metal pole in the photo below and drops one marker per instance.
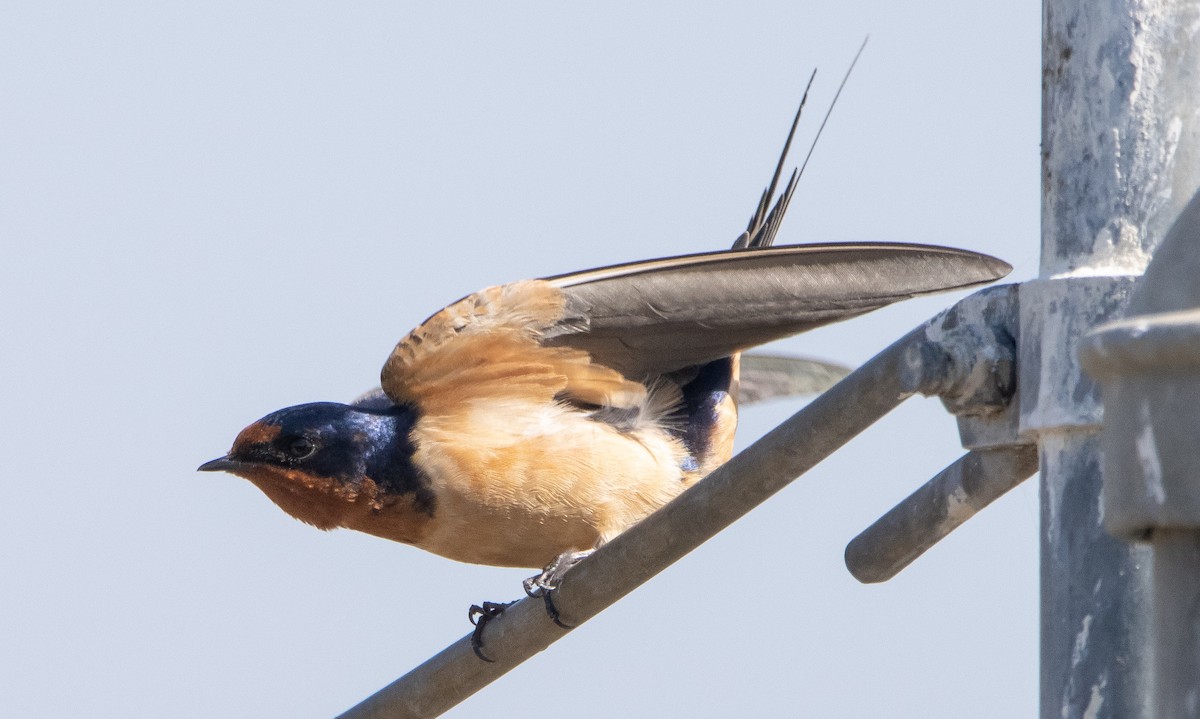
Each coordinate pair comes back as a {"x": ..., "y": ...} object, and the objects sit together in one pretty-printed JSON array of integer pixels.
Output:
[
  {"x": 937, "y": 508},
  {"x": 1149, "y": 364},
  {"x": 1176, "y": 567},
  {"x": 1117, "y": 140}
]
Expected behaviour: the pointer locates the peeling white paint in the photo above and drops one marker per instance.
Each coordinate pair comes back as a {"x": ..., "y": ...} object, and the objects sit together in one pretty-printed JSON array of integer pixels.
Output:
[
  {"x": 1142, "y": 166},
  {"x": 1120, "y": 139},
  {"x": 1147, "y": 452},
  {"x": 1052, "y": 451},
  {"x": 1056, "y": 314},
  {"x": 958, "y": 508},
  {"x": 1079, "y": 651},
  {"x": 1096, "y": 700},
  {"x": 1138, "y": 327},
  {"x": 1116, "y": 250}
]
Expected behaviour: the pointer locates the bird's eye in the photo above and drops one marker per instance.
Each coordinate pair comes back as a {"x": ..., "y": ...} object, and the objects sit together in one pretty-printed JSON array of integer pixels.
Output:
[{"x": 301, "y": 448}]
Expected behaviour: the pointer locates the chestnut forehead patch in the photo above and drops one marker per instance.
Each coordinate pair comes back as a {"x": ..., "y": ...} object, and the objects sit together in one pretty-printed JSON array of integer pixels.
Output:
[{"x": 257, "y": 433}]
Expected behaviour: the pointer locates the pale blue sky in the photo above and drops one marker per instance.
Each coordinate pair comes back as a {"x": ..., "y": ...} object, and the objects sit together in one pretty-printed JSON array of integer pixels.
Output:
[{"x": 212, "y": 210}]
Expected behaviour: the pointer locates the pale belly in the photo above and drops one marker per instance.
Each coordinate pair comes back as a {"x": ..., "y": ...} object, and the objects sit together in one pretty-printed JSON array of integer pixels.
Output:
[{"x": 520, "y": 496}]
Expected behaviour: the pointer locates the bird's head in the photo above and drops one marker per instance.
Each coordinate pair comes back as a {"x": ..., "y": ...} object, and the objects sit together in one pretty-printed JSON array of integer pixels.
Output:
[{"x": 327, "y": 463}]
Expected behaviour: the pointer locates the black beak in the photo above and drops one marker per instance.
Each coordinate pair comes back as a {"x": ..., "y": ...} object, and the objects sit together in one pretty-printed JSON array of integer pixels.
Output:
[{"x": 221, "y": 464}]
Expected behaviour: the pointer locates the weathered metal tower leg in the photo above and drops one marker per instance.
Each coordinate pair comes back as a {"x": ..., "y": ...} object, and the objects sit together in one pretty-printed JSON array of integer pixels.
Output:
[
  {"x": 1176, "y": 570},
  {"x": 1149, "y": 364},
  {"x": 1119, "y": 160}
]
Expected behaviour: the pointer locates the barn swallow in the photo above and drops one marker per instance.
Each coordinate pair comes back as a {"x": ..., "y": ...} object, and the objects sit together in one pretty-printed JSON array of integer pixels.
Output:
[{"x": 536, "y": 420}]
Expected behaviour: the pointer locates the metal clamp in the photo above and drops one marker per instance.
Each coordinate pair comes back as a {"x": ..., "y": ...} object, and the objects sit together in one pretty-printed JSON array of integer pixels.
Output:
[{"x": 977, "y": 343}]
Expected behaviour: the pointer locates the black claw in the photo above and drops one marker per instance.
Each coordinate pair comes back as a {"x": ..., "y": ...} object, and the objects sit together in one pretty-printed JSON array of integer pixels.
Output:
[
  {"x": 548, "y": 598},
  {"x": 480, "y": 615}
]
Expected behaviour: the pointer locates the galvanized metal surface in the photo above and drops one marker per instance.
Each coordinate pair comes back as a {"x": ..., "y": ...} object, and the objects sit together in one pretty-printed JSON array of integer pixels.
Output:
[
  {"x": 940, "y": 506},
  {"x": 1150, "y": 367},
  {"x": 1094, "y": 593},
  {"x": 1176, "y": 624},
  {"x": 1119, "y": 132},
  {"x": 1093, "y": 587},
  {"x": 1120, "y": 158},
  {"x": 981, "y": 335}
]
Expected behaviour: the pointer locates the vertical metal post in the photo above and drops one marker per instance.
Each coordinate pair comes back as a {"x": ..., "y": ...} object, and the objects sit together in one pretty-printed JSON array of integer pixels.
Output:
[
  {"x": 1149, "y": 364},
  {"x": 1176, "y": 568},
  {"x": 1119, "y": 160}
]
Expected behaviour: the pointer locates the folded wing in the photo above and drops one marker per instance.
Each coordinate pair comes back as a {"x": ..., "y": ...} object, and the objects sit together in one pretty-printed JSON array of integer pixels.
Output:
[
  {"x": 658, "y": 316},
  {"x": 595, "y": 337},
  {"x": 487, "y": 346}
]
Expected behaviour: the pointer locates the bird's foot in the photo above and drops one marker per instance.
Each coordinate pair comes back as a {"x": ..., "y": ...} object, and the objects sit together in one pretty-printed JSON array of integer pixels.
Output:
[
  {"x": 544, "y": 584},
  {"x": 480, "y": 615},
  {"x": 541, "y": 585},
  {"x": 553, "y": 573}
]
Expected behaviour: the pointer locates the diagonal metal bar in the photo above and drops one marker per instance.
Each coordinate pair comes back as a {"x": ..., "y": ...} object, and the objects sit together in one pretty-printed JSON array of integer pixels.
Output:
[
  {"x": 937, "y": 508},
  {"x": 912, "y": 364}
]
